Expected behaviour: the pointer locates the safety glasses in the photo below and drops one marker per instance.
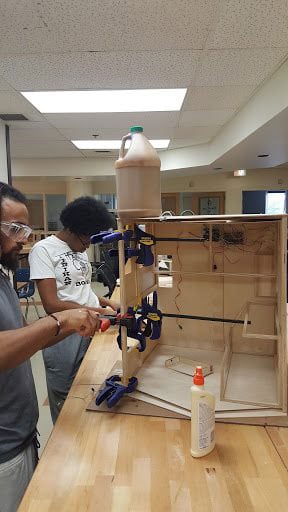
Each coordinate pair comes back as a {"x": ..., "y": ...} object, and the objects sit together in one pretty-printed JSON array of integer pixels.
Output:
[
  {"x": 16, "y": 231},
  {"x": 86, "y": 242}
]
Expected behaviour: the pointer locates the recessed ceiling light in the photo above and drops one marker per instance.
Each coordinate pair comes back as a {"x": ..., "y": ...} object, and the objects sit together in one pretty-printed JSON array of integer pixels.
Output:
[
  {"x": 217, "y": 168},
  {"x": 114, "y": 144},
  {"x": 263, "y": 155},
  {"x": 139, "y": 100},
  {"x": 240, "y": 172}
]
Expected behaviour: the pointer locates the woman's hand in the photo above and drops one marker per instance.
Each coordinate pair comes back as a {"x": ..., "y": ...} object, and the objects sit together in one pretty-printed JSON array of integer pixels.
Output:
[
  {"x": 114, "y": 304},
  {"x": 104, "y": 311}
]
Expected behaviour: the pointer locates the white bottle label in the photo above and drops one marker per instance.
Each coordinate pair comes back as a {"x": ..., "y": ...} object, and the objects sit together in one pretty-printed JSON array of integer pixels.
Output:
[{"x": 206, "y": 425}]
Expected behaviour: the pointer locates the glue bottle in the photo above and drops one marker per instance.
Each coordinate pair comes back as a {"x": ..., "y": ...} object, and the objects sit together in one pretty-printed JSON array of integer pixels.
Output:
[
  {"x": 202, "y": 417},
  {"x": 138, "y": 177}
]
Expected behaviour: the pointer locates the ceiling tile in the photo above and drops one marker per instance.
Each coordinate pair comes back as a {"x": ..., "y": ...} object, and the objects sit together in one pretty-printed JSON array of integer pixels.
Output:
[
  {"x": 188, "y": 132},
  {"x": 101, "y": 70},
  {"x": 182, "y": 143},
  {"x": 84, "y": 133},
  {"x": 98, "y": 154},
  {"x": 35, "y": 133},
  {"x": 164, "y": 68},
  {"x": 28, "y": 125},
  {"x": 47, "y": 25},
  {"x": 44, "y": 150},
  {"x": 205, "y": 117},
  {"x": 238, "y": 67},
  {"x": 4, "y": 86},
  {"x": 96, "y": 122},
  {"x": 15, "y": 103},
  {"x": 216, "y": 98},
  {"x": 246, "y": 24}
]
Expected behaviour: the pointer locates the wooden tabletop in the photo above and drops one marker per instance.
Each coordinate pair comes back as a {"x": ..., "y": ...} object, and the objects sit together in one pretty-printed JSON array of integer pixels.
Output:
[{"x": 115, "y": 462}]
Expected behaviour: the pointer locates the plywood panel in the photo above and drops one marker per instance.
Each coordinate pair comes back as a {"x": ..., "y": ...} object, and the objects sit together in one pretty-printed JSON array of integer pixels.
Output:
[
  {"x": 173, "y": 387},
  {"x": 252, "y": 379},
  {"x": 192, "y": 297}
]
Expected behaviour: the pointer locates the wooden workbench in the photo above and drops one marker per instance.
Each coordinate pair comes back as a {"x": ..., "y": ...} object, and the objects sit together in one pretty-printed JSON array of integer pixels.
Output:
[{"x": 112, "y": 462}]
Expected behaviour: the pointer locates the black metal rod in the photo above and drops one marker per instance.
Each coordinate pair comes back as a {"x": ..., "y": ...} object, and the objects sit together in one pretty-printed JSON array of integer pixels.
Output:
[
  {"x": 207, "y": 318},
  {"x": 175, "y": 239}
]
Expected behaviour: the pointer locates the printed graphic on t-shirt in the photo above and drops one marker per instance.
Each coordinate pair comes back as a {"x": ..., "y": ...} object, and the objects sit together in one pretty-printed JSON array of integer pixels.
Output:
[{"x": 68, "y": 258}]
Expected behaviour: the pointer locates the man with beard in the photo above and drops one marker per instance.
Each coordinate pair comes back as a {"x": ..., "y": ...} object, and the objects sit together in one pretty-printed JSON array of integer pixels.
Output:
[{"x": 18, "y": 402}]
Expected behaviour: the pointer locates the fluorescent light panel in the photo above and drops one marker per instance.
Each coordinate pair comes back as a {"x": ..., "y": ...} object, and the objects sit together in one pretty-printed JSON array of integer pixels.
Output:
[
  {"x": 240, "y": 172},
  {"x": 139, "y": 100},
  {"x": 114, "y": 144}
]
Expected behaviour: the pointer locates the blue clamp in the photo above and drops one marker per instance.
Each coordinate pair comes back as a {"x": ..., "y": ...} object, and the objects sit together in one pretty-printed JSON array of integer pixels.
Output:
[
  {"x": 113, "y": 390},
  {"x": 108, "y": 237},
  {"x": 129, "y": 252},
  {"x": 98, "y": 238},
  {"x": 153, "y": 315},
  {"x": 125, "y": 235},
  {"x": 145, "y": 240},
  {"x": 134, "y": 332}
]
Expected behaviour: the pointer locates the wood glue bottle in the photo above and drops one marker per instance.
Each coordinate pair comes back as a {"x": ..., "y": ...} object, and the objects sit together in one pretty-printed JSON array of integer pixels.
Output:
[{"x": 202, "y": 417}]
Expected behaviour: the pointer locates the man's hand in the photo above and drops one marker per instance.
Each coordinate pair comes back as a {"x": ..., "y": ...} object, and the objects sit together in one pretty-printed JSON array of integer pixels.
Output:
[{"x": 83, "y": 321}]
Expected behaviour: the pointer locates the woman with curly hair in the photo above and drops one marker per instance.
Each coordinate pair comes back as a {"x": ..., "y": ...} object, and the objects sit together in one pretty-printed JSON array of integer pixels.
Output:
[{"x": 60, "y": 266}]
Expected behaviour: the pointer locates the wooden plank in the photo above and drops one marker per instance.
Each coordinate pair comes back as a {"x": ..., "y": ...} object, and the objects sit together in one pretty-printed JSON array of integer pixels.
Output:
[
  {"x": 188, "y": 366},
  {"x": 282, "y": 313},
  {"x": 252, "y": 379},
  {"x": 279, "y": 438},
  {"x": 130, "y": 405},
  {"x": 96, "y": 459}
]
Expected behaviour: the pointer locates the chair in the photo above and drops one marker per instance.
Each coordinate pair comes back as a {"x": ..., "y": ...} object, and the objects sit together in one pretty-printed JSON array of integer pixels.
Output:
[
  {"x": 108, "y": 269},
  {"x": 108, "y": 277},
  {"x": 27, "y": 288}
]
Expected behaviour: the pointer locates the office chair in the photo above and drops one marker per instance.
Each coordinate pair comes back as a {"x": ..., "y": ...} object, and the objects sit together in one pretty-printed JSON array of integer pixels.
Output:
[
  {"x": 108, "y": 269},
  {"x": 108, "y": 278},
  {"x": 26, "y": 290}
]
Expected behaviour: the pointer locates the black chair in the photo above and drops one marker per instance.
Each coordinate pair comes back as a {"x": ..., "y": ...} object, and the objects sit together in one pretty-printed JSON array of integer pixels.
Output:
[
  {"x": 108, "y": 278},
  {"x": 27, "y": 288},
  {"x": 107, "y": 270}
]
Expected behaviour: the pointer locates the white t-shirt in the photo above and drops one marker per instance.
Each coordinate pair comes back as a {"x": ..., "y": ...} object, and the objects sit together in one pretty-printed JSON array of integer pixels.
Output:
[{"x": 53, "y": 258}]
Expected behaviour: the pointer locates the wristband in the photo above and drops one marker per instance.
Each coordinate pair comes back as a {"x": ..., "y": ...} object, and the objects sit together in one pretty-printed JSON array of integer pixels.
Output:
[{"x": 58, "y": 324}]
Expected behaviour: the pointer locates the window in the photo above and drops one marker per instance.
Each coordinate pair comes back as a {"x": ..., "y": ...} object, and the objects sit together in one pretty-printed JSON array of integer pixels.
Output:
[{"x": 275, "y": 203}]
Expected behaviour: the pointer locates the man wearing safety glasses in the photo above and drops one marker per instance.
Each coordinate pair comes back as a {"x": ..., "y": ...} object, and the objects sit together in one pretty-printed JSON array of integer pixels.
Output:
[{"x": 18, "y": 401}]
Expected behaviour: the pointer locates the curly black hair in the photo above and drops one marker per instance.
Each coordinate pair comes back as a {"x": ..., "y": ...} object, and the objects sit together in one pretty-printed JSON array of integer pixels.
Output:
[
  {"x": 86, "y": 216},
  {"x": 9, "y": 192}
]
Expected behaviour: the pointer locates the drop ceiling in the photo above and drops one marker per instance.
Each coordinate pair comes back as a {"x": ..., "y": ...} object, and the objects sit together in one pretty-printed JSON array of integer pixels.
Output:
[{"x": 222, "y": 51}]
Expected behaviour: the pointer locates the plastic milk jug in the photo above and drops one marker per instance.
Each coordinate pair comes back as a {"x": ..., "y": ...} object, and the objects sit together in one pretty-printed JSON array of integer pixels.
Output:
[
  {"x": 138, "y": 177},
  {"x": 202, "y": 417}
]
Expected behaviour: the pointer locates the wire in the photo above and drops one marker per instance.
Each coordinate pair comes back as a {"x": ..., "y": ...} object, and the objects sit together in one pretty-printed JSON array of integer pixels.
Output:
[{"x": 88, "y": 394}]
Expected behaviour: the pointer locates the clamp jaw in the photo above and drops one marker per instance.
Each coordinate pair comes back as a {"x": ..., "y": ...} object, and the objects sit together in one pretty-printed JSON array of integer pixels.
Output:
[
  {"x": 113, "y": 390},
  {"x": 153, "y": 316},
  {"x": 143, "y": 240}
]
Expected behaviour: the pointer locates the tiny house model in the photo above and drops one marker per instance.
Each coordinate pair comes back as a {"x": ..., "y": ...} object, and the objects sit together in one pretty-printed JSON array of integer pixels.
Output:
[{"x": 221, "y": 302}]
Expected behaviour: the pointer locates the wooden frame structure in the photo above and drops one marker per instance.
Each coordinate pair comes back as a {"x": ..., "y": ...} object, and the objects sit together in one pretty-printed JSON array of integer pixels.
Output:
[{"x": 227, "y": 267}]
